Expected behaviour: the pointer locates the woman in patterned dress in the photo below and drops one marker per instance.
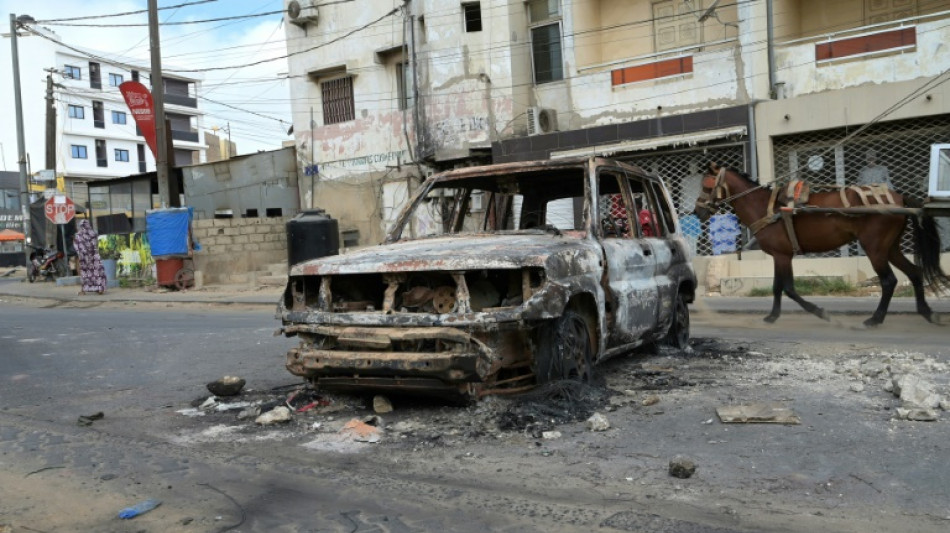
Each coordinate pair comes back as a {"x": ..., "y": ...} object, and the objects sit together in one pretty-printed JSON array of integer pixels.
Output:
[{"x": 91, "y": 272}]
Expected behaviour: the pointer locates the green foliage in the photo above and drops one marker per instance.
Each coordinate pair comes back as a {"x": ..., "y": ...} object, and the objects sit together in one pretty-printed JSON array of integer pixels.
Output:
[
  {"x": 110, "y": 246},
  {"x": 815, "y": 286}
]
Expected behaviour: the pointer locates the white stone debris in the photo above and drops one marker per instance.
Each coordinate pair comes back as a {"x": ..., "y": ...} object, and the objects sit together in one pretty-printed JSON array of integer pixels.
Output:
[
  {"x": 277, "y": 415},
  {"x": 598, "y": 422}
]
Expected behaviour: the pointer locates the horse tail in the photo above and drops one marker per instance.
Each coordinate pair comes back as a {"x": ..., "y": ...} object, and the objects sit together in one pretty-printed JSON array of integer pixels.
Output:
[{"x": 927, "y": 252}]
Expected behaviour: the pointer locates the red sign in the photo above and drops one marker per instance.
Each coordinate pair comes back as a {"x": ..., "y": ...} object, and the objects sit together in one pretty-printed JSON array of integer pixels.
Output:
[
  {"x": 139, "y": 100},
  {"x": 60, "y": 209}
]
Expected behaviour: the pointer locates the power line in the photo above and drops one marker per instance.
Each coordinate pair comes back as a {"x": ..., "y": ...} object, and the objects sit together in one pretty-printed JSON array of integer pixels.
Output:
[
  {"x": 321, "y": 45},
  {"x": 240, "y": 109},
  {"x": 179, "y": 23},
  {"x": 140, "y": 11}
]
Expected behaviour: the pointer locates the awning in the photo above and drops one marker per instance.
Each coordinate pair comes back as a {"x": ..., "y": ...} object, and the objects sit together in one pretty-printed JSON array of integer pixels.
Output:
[
  {"x": 652, "y": 143},
  {"x": 11, "y": 235}
]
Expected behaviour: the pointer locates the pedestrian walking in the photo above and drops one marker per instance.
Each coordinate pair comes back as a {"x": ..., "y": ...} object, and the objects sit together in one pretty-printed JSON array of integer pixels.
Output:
[{"x": 91, "y": 272}]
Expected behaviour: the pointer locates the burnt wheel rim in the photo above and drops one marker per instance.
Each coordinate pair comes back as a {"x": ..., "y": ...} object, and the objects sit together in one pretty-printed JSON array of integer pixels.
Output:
[{"x": 574, "y": 347}]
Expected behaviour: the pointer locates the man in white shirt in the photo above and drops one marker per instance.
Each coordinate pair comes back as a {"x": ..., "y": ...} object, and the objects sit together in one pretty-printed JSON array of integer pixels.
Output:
[{"x": 874, "y": 173}]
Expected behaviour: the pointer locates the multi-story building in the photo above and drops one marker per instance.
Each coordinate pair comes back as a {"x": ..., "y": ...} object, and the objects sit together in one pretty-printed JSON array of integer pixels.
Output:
[
  {"x": 385, "y": 91},
  {"x": 95, "y": 135}
]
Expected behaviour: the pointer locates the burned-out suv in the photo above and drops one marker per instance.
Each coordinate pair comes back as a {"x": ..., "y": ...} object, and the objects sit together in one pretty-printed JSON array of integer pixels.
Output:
[{"x": 495, "y": 279}]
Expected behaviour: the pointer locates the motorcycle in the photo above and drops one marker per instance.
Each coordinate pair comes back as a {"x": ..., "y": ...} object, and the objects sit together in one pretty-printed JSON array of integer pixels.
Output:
[{"x": 46, "y": 262}]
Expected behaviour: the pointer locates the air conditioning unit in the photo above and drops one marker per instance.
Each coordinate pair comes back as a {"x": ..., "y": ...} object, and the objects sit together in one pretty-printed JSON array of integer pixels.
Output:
[
  {"x": 541, "y": 120},
  {"x": 302, "y": 12}
]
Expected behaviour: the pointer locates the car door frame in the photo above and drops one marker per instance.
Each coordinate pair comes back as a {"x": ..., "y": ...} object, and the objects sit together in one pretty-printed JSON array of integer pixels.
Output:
[{"x": 629, "y": 269}]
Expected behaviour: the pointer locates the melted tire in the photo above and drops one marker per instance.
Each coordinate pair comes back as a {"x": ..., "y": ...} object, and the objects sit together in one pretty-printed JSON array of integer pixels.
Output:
[
  {"x": 678, "y": 336},
  {"x": 565, "y": 350}
]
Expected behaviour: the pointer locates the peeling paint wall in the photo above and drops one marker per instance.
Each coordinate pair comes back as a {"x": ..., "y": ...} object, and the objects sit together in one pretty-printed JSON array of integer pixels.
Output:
[
  {"x": 801, "y": 74},
  {"x": 470, "y": 87}
]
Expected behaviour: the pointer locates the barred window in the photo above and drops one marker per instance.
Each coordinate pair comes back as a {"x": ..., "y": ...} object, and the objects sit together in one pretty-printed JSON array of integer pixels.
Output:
[{"x": 338, "y": 105}]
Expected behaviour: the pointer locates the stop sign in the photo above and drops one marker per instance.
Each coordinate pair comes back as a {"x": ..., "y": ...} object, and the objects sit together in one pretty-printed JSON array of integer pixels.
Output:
[{"x": 60, "y": 209}]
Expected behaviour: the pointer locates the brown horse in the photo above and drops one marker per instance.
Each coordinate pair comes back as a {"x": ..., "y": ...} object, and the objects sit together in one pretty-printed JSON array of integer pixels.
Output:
[{"x": 878, "y": 233}]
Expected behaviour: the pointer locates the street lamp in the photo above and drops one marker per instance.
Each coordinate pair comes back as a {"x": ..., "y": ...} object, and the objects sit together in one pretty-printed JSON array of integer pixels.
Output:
[{"x": 15, "y": 24}]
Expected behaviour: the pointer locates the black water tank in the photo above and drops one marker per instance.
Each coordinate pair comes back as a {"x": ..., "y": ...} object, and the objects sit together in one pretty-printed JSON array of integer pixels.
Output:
[{"x": 310, "y": 234}]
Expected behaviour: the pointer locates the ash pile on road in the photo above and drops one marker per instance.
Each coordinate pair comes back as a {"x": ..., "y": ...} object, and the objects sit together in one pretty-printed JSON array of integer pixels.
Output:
[{"x": 550, "y": 405}]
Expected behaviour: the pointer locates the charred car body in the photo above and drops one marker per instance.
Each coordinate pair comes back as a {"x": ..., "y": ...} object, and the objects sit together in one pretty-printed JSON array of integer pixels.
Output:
[{"x": 495, "y": 279}]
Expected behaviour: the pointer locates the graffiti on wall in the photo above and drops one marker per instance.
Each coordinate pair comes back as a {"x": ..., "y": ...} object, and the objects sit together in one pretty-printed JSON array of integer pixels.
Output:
[{"x": 452, "y": 127}]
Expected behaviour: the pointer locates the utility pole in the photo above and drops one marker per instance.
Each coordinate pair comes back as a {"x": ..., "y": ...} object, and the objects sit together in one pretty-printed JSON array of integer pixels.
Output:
[
  {"x": 50, "y": 122},
  {"x": 20, "y": 141},
  {"x": 158, "y": 97}
]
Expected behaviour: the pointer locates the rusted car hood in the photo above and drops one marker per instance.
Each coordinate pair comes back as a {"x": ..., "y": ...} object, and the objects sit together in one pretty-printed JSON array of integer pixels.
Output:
[{"x": 446, "y": 253}]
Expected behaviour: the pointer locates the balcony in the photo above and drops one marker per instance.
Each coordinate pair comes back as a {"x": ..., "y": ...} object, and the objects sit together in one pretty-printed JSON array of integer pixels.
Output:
[
  {"x": 177, "y": 99},
  {"x": 189, "y": 136}
]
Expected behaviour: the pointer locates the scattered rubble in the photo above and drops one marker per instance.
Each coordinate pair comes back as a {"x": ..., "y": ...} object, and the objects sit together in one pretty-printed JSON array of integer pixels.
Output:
[
  {"x": 382, "y": 405},
  {"x": 914, "y": 391},
  {"x": 274, "y": 416},
  {"x": 757, "y": 414},
  {"x": 550, "y": 435},
  {"x": 361, "y": 431},
  {"x": 87, "y": 420},
  {"x": 857, "y": 387},
  {"x": 650, "y": 400},
  {"x": 598, "y": 422},
  {"x": 226, "y": 386},
  {"x": 917, "y": 414},
  {"x": 918, "y": 399},
  {"x": 682, "y": 468}
]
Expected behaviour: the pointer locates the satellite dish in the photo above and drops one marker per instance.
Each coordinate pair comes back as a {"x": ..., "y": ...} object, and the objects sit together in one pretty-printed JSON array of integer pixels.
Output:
[{"x": 709, "y": 11}]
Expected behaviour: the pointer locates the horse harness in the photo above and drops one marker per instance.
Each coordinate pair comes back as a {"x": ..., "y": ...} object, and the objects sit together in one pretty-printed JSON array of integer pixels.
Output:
[{"x": 792, "y": 196}]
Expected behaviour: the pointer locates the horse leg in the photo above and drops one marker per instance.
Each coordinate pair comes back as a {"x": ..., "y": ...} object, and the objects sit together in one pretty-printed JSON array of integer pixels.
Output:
[
  {"x": 888, "y": 281},
  {"x": 912, "y": 272},
  {"x": 778, "y": 285},
  {"x": 783, "y": 271}
]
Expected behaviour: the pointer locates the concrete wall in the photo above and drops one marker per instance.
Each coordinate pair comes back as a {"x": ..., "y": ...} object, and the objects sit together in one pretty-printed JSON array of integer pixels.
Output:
[{"x": 231, "y": 249}]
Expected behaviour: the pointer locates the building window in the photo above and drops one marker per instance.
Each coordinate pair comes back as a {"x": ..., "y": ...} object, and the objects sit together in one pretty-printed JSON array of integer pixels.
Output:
[
  {"x": 546, "y": 40},
  {"x": 338, "y": 105},
  {"x": 98, "y": 115},
  {"x": 140, "y": 153},
  {"x": 404, "y": 85},
  {"x": 675, "y": 25},
  {"x": 472, "y": 11},
  {"x": 115, "y": 79},
  {"x": 77, "y": 111},
  {"x": 101, "y": 160},
  {"x": 122, "y": 155},
  {"x": 118, "y": 117},
  {"x": 72, "y": 73},
  {"x": 95, "y": 80},
  {"x": 78, "y": 151},
  {"x": 422, "y": 30}
]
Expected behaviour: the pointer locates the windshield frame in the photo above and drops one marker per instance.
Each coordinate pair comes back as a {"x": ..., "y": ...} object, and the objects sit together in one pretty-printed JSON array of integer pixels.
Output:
[{"x": 449, "y": 179}]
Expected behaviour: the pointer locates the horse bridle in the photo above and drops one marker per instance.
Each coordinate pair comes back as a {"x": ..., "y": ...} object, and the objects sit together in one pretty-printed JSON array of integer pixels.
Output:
[{"x": 715, "y": 191}]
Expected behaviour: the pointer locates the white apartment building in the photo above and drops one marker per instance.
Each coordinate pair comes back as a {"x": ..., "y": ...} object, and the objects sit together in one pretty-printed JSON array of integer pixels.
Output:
[{"x": 96, "y": 136}]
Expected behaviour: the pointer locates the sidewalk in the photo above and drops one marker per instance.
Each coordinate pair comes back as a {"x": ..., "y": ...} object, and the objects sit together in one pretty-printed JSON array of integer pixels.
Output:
[
  {"x": 15, "y": 285},
  {"x": 268, "y": 297}
]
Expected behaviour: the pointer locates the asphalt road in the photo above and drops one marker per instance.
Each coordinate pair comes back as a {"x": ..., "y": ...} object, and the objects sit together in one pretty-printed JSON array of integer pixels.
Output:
[{"x": 847, "y": 468}]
